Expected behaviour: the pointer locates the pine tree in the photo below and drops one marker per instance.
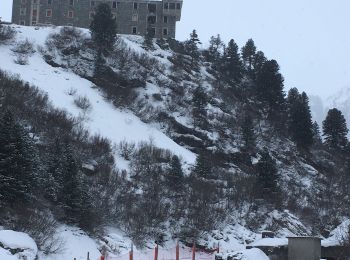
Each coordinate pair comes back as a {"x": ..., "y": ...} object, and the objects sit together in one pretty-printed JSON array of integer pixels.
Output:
[
  {"x": 148, "y": 41},
  {"x": 248, "y": 53},
  {"x": 215, "y": 48},
  {"x": 203, "y": 167},
  {"x": 199, "y": 112},
  {"x": 267, "y": 172},
  {"x": 316, "y": 132},
  {"x": 100, "y": 65},
  {"x": 18, "y": 171},
  {"x": 248, "y": 132},
  {"x": 104, "y": 28},
  {"x": 299, "y": 119},
  {"x": 258, "y": 62},
  {"x": 231, "y": 65},
  {"x": 175, "y": 176},
  {"x": 269, "y": 84},
  {"x": 335, "y": 129},
  {"x": 191, "y": 47}
]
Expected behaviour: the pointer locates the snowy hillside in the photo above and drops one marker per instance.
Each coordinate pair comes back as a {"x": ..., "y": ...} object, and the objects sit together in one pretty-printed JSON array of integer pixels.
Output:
[
  {"x": 63, "y": 87},
  {"x": 200, "y": 153}
]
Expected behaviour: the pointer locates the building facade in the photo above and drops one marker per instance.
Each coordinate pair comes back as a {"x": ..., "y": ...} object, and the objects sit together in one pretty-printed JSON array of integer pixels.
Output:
[{"x": 156, "y": 17}]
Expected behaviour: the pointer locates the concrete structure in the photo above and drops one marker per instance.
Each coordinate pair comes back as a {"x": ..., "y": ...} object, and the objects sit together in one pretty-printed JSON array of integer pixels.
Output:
[
  {"x": 156, "y": 17},
  {"x": 304, "y": 248}
]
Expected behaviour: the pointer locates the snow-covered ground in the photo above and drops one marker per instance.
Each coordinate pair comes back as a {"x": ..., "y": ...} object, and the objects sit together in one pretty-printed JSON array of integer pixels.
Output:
[{"x": 102, "y": 118}]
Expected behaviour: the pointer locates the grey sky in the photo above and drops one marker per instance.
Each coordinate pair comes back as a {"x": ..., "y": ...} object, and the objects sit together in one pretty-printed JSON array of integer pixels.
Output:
[{"x": 309, "y": 38}]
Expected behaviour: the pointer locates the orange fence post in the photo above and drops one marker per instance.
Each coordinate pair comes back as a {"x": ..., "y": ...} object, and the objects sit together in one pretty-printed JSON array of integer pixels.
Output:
[
  {"x": 194, "y": 251},
  {"x": 177, "y": 251},
  {"x": 156, "y": 253},
  {"x": 131, "y": 253}
]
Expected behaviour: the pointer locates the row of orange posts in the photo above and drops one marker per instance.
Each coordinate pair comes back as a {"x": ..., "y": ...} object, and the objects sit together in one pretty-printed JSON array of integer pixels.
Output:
[{"x": 131, "y": 253}]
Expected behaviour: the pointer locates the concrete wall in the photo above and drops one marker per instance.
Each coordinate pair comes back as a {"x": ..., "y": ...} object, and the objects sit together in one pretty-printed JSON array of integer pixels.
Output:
[
  {"x": 304, "y": 248},
  {"x": 129, "y": 19}
]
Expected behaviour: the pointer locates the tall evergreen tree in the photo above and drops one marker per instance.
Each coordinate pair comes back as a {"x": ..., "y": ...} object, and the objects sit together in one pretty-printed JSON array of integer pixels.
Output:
[
  {"x": 248, "y": 53},
  {"x": 199, "y": 112},
  {"x": 248, "y": 132},
  {"x": 104, "y": 28},
  {"x": 258, "y": 62},
  {"x": 316, "y": 132},
  {"x": 335, "y": 129},
  {"x": 18, "y": 171},
  {"x": 203, "y": 167},
  {"x": 191, "y": 47},
  {"x": 216, "y": 47},
  {"x": 299, "y": 119},
  {"x": 267, "y": 172},
  {"x": 175, "y": 176},
  {"x": 231, "y": 65},
  {"x": 269, "y": 84}
]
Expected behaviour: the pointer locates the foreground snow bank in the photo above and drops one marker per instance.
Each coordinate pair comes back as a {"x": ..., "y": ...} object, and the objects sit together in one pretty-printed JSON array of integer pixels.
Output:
[
  {"x": 17, "y": 245},
  {"x": 249, "y": 254}
]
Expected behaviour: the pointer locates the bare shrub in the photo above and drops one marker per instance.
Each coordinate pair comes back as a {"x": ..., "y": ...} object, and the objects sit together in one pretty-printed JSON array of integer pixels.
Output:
[
  {"x": 42, "y": 227},
  {"x": 83, "y": 103},
  {"x": 126, "y": 149},
  {"x": 23, "y": 50},
  {"x": 71, "y": 92},
  {"x": 68, "y": 41},
  {"x": 7, "y": 33}
]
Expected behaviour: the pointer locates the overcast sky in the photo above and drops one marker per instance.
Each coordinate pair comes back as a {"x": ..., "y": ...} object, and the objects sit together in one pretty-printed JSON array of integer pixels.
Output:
[{"x": 309, "y": 38}]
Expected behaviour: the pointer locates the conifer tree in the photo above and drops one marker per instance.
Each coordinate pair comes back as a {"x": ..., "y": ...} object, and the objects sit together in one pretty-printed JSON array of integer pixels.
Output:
[
  {"x": 199, "y": 111},
  {"x": 258, "y": 62},
  {"x": 299, "y": 119},
  {"x": 175, "y": 176},
  {"x": 232, "y": 66},
  {"x": 104, "y": 29},
  {"x": 267, "y": 172},
  {"x": 216, "y": 46},
  {"x": 191, "y": 47},
  {"x": 203, "y": 167},
  {"x": 148, "y": 41},
  {"x": 316, "y": 132},
  {"x": 248, "y": 132},
  {"x": 18, "y": 171},
  {"x": 269, "y": 86},
  {"x": 248, "y": 53},
  {"x": 335, "y": 129}
]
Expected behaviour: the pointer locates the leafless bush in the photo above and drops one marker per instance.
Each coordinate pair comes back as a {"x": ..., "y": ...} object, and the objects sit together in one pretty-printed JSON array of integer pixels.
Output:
[
  {"x": 82, "y": 102},
  {"x": 42, "y": 227},
  {"x": 126, "y": 149},
  {"x": 6, "y": 33},
  {"x": 68, "y": 40},
  {"x": 23, "y": 50},
  {"x": 72, "y": 92}
]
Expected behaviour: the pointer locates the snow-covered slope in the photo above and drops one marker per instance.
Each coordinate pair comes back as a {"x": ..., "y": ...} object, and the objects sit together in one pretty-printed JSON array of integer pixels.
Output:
[{"x": 102, "y": 117}]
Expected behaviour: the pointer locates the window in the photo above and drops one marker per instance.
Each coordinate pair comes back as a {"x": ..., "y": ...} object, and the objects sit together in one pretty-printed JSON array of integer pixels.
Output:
[
  {"x": 135, "y": 17},
  {"x": 172, "y": 5},
  {"x": 23, "y": 11},
  {"x": 165, "y": 19},
  {"x": 114, "y": 4},
  {"x": 49, "y": 13},
  {"x": 166, "y": 6},
  {"x": 49, "y": 2},
  {"x": 151, "y": 32},
  {"x": 22, "y": 22},
  {"x": 178, "y": 6},
  {"x": 91, "y": 15},
  {"x": 35, "y": 12},
  {"x": 71, "y": 2},
  {"x": 165, "y": 31},
  {"x": 69, "y": 24},
  {"x": 92, "y": 3},
  {"x": 70, "y": 14},
  {"x": 136, "y": 6},
  {"x": 23, "y": 2},
  {"x": 152, "y": 19},
  {"x": 152, "y": 8},
  {"x": 33, "y": 22},
  {"x": 35, "y": 1},
  {"x": 134, "y": 30}
]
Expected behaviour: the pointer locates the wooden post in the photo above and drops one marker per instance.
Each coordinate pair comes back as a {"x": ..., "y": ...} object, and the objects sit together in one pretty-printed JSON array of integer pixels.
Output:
[
  {"x": 218, "y": 250},
  {"x": 88, "y": 256},
  {"x": 177, "y": 251},
  {"x": 194, "y": 251},
  {"x": 131, "y": 253},
  {"x": 156, "y": 253}
]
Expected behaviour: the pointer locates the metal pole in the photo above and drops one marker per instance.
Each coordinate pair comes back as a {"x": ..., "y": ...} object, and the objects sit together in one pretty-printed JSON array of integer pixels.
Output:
[
  {"x": 177, "y": 251},
  {"x": 194, "y": 251},
  {"x": 156, "y": 253},
  {"x": 131, "y": 253}
]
